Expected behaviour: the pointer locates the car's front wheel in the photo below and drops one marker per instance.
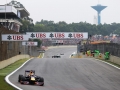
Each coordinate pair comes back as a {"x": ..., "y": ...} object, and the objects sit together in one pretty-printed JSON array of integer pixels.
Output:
[
  {"x": 19, "y": 78},
  {"x": 41, "y": 80}
]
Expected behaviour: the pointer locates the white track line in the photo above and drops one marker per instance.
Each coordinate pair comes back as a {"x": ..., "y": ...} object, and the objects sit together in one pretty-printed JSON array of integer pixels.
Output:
[
  {"x": 108, "y": 64},
  {"x": 7, "y": 77},
  {"x": 70, "y": 56}
]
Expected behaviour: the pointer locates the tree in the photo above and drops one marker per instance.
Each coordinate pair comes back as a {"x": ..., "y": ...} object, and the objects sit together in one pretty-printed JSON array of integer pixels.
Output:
[
  {"x": 26, "y": 27},
  {"x": 39, "y": 42},
  {"x": 50, "y": 26}
]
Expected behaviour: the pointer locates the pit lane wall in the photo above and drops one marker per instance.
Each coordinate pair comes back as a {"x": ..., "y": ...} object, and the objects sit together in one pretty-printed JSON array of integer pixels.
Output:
[
  {"x": 9, "y": 49},
  {"x": 11, "y": 60}
]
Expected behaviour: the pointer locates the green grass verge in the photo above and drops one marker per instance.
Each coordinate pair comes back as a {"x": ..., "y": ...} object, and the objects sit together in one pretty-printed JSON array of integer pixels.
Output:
[{"x": 5, "y": 71}]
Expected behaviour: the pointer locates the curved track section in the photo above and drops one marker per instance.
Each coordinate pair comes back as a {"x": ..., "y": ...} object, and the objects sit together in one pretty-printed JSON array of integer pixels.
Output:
[{"x": 70, "y": 74}]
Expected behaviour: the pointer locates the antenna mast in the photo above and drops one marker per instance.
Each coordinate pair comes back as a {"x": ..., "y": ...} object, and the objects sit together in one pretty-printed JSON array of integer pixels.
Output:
[{"x": 98, "y": 1}]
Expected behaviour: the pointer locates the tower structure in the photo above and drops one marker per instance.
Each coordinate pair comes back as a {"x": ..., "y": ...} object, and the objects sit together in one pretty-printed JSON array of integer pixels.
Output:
[
  {"x": 95, "y": 20},
  {"x": 99, "y": 8}
]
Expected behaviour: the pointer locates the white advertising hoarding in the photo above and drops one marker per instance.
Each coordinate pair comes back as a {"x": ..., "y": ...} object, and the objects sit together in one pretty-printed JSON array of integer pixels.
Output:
[
  {"x": 43, "y": 35},
  {"x": 8, "y": 9},
  {"x": 14, "y": 37},
  {"x": 57, "y": 41},
  {"x": 30, "y": 43}
]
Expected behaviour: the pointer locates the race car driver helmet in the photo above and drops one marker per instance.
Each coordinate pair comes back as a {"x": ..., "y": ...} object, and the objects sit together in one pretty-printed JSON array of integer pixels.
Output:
[{"x": 31, "y": 72}]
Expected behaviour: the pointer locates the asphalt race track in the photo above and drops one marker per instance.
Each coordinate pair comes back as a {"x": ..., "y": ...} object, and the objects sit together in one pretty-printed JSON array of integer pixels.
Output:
[{"x": 70, "y": 74}]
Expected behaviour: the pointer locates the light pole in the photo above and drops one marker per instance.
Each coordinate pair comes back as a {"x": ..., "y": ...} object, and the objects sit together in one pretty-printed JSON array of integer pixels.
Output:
[
  {"x": 5, "y": 13},
  {"x": 78, "y": 48}
]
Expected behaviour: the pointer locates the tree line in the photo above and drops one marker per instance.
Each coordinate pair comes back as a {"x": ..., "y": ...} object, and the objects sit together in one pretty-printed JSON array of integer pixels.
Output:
[{"x": 62, "y": 26}]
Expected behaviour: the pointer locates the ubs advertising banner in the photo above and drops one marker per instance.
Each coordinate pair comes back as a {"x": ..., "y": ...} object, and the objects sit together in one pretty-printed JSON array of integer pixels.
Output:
[
  {"x": 30, "y": 43},
  {"x": 14, "y": 37},
  {"x": 44, "y": 35}
]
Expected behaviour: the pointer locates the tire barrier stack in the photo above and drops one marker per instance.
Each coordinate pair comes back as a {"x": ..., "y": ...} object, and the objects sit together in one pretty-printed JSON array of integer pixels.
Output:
[{"x": 98, "y": 55}]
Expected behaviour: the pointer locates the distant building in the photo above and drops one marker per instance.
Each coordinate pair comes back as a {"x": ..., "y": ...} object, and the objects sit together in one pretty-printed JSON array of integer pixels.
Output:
[{"x": 11, "y": 15}]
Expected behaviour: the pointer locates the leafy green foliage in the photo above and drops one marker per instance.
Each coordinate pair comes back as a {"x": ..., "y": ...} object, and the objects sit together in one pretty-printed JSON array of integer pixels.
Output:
[
  {"x": 39, "y": 42},
  {"x": 50, "y": 26},
  {"x": 26, "y": 27},
  {"x": 103, "y": 29}
]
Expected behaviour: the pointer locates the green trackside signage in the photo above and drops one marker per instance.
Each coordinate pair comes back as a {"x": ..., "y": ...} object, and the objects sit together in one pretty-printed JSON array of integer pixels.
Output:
[
  {"x": 97, "y": 52},
  {"x": 107, "y": 55}
]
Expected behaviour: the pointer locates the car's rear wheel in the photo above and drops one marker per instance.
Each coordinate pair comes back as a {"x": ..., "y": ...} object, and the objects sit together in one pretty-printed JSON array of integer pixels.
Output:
[{"x": 42, "y": 79}]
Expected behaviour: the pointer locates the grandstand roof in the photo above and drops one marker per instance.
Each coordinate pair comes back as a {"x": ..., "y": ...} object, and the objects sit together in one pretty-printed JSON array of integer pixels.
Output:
[
  {"x": 20, "y": 7},
  {"x": 23, "y": 11}
]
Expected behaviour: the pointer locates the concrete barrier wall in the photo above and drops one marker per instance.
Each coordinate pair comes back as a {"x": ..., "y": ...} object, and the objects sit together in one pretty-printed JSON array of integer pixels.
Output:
[
  {"x": 115, "y": 59},
  {"x": 9, "y": 61}
]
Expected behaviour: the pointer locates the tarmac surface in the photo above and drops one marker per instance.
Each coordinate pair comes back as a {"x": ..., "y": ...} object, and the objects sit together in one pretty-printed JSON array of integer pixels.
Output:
[{"x": 70, "y": 73}]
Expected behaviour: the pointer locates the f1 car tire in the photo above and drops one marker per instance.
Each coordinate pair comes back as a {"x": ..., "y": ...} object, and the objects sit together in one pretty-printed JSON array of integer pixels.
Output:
[
  {"x": 41, "y": 80},
  {"x": 23, "y": 79},
  {"x": 42, "y": 84},
  {"x": 19, "y": 78}
]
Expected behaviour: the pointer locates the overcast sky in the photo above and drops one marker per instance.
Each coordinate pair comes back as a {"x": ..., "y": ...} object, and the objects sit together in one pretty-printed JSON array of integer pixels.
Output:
[{"x": 71, "y": 10}]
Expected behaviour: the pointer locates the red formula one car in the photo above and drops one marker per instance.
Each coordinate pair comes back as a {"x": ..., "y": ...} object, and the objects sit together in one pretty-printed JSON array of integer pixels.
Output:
[{"x": 30, "y": 78}]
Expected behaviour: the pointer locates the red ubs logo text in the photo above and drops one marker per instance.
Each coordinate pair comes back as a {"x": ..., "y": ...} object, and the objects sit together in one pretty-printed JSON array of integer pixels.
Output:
[{"x": 17, "y": 37}]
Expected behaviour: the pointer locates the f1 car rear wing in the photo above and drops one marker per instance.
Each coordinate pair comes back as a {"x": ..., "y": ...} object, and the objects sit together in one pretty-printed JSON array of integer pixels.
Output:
[{"x": 30, "y": 70}]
